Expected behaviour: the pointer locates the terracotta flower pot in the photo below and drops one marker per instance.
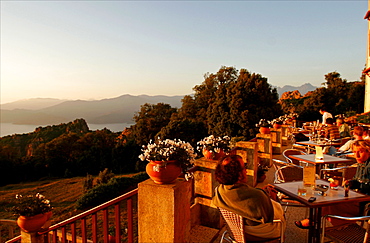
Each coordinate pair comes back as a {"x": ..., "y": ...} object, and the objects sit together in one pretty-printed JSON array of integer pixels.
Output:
[
  {"x": 32, "y": 223},
  {"x": 214, "y": 156},
  {"x": 111, "y": 239},
  {"x": 163, "y": 173},
  {"x": 277, "y": 125},
  {"x": 264, "y": 130}
]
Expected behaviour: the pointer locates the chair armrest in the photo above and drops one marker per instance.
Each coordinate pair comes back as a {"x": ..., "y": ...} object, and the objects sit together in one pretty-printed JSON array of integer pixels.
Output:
[
  {"x": 323, "y": 223},
  {"x": 359, "y": 218},
  {"x": 282, "y": 236}
]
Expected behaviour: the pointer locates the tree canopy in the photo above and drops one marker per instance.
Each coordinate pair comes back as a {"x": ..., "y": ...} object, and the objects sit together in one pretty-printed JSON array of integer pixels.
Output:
[{"x": 229, "y": 102}]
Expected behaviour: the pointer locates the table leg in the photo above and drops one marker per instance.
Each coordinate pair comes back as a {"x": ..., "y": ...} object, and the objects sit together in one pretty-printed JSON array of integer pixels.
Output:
[
  {"x": 311, "y": 230},
  {"x": 315, "y": 221},
  {"x": 318, "y": 224}
]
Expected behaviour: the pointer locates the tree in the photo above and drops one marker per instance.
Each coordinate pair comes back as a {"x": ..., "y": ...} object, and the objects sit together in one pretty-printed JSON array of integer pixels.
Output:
[
  {"x": 150, "y": 120},
  {"x": 339, "y": 97},
  {"x": 226, "y": 103}
]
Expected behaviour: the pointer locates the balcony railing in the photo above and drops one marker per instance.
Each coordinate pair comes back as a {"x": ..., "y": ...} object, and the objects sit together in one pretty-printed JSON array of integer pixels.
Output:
[{"x": 96, "y": 224}]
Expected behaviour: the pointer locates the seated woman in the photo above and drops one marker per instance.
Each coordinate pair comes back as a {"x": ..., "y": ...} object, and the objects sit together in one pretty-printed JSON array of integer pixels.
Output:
[
  {"x": 253, "y": 204},
  {"x": 360, "y": 182}
]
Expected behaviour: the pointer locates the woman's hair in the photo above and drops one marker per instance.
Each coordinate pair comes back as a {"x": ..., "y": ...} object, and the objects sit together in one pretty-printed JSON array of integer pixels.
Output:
[
  {"x": 228, "y": 170},
  {"x": 359, "y": 131},
  {"x": 363, "y": 144}
]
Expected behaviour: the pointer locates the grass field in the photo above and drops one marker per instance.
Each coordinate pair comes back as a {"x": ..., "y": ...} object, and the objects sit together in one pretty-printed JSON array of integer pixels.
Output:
[{"x": 62, "y": 193}]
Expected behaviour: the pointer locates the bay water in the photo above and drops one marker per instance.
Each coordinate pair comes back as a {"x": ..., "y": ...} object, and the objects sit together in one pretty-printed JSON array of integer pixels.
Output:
[{"x": 10, "y": 128}]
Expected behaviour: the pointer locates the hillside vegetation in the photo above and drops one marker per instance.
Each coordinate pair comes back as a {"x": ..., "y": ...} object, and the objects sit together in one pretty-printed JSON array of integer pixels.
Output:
[{"x": 63, "y": 193}]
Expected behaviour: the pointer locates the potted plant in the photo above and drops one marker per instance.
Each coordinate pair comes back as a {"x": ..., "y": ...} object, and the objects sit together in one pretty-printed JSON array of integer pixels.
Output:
[
  {"x": 277, "y": 122},
  {"x": 33, "y": 210},
  {"x": 167, "y": 159},
  {"x": 264, "y": 126},
  {"x": 214, "y": 147}
]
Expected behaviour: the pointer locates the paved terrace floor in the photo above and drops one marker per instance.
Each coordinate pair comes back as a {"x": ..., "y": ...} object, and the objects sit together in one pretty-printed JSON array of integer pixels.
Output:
[{"x": 293, "y": 234}]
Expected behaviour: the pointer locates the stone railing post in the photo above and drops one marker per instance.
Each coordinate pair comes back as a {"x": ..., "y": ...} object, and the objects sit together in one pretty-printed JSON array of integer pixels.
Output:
[
  {"x": 164, "y": 211},
  {"x": 33, "y": 237},
  {"x": 205, "y": 184}
]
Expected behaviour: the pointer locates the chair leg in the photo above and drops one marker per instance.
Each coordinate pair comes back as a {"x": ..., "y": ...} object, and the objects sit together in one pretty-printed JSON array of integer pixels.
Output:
[{"x": 225, "y": 238}]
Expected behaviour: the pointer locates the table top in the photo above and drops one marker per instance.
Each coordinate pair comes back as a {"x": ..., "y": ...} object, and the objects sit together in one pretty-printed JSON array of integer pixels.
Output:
[
  {"x": 333, "y": 196},
  {"x": 328, "y": 159},
  {"x": 322, "y": 144}
]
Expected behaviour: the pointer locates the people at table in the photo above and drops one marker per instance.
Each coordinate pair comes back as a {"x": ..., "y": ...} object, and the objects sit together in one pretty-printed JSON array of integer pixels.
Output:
[
  {"x": 344, "y": 130},
  {"x": 360, "y": 182},
  {"x": 331, "y": 131},
  {"x": 325, "y": 114},
  {"x": 235, "y": 195},
  {"x": 357, "y": 135}
]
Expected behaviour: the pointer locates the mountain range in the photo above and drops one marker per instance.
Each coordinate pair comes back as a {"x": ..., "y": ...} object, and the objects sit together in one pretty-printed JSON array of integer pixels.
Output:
[{"x": 48, "y": 111}]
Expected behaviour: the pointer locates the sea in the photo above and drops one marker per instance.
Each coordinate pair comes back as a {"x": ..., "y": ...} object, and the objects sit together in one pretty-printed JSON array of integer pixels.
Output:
[{"x": 10, "y": 128}]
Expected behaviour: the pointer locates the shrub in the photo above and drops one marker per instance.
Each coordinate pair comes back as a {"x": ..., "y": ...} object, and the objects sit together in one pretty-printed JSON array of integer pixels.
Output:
[
  {"x": 104, "y": 176},
  {"x": 105, "y": 192},
  {"x": 88, "y": 182}
]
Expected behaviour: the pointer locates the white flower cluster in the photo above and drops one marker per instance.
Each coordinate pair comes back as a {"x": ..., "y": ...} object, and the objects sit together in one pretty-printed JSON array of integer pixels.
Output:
[
  {"x": 214, "y": 144},
  {"x": 263, "y": 123},
  {"x": 164, "y": 150}
]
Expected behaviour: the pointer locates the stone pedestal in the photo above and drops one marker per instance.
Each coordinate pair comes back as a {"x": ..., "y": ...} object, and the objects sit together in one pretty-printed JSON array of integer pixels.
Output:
[
  {"x": 204, "y": 187},
  {"x": 164, "y": 211},
  {"x": 31, "y": 237}
]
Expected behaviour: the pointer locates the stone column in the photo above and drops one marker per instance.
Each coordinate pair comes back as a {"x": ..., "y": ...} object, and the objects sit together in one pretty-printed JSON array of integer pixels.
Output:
[
  {"x": 204, "y": 186},
  {"x": 164, "y": 211},
  {"x": 31, "y": 237}
]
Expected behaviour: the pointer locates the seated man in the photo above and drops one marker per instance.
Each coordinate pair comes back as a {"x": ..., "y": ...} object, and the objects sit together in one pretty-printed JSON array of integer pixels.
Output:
[
  {"x": 361, "y": 150},
  {"x": 331, "y": 131},
  {"x": 253, "y": 204},
  {"x": 344, "y": 130}
]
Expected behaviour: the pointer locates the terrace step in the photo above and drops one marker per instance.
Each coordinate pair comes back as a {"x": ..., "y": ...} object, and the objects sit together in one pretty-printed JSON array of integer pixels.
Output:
[{"x": 205, "y": 234}]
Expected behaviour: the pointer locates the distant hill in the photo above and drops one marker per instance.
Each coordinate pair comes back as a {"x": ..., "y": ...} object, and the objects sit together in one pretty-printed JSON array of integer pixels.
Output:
[
  {"x": 115, "y": 110},
  {"x": 303, "y": 89},
  {"x": 41, "y": 111},
  {"x": 31, "y": 104}
]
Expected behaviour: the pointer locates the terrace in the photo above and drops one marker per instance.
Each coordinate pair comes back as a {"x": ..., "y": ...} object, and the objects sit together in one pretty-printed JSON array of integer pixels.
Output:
[{"x": 179, "y": 212}]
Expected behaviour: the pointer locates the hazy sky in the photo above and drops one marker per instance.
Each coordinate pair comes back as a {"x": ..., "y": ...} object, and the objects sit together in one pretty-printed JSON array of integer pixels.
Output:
[{"x": 104, "y": 49}]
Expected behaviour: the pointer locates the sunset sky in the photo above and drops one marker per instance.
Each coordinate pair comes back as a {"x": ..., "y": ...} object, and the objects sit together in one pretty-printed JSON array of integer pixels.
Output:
[{"x": 104, "y": 49}]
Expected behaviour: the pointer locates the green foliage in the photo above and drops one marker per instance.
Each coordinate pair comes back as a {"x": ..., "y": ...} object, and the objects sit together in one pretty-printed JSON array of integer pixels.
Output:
[
  {"x": 150, "y": 120},
  {"x": 88, "y": 182},
  {"x": 31, "y": 205},
  {"x": 105, "y": 192},
  {"x": 339, "y": 97},
  {"x": 104, "y": 176},
  {"x": 227, "y": 103},
  {"x": 64, "y": 150},
  {"x": 363, "y": 118}
]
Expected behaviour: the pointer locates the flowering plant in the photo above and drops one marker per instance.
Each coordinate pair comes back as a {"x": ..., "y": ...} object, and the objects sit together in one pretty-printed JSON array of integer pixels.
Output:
[
  {"x": 290, "y": 116},
  {"x": 31, "y": 205},
  {"x": 214, "y": 144},
  {"x": 278, "y": 120},
  {"x": 165, "y": 150},
  {"x": 263, "y": 123}
]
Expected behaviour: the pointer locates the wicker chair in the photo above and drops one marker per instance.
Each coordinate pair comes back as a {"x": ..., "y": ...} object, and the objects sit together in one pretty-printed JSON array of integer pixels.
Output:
[
  {"x": 352, "y": 232},
  {"x": 288, "y": 152},
  {"x": 342, "y": 173},
  {"x": 235, "y": 228},
  {"x": 287, "y": 172}
]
